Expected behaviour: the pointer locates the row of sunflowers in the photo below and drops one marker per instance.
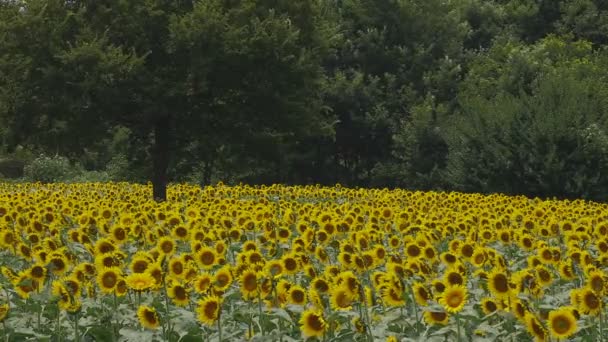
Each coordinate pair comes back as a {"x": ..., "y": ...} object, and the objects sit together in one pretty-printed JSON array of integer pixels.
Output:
[{"x": 102, "y": 262}]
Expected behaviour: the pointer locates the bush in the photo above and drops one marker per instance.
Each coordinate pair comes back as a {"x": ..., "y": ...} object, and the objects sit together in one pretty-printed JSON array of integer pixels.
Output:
[
  {"x": 51, "y": 169},
  {"x": 551, "y": 143}
]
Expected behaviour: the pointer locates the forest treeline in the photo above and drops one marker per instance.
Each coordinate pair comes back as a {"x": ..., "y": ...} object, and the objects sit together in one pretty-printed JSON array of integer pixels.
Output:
[{"x": 503, "y": 96}]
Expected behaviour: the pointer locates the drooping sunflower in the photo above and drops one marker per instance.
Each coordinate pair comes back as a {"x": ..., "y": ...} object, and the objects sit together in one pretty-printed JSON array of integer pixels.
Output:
[
  {"x": 350, "y": 281},
  {"x": 4, "y": 308},
  {"x": 209, "y": 309},
  {"x": 535, "y": 327},
  {"x": 436, "y": 317},
  {"x": 24, "y": 285},
  {"x": 392, "y": 295},
  {"x": 148, "y": 317},
  {"x": 489, "y": 306},
  {"x": 562, "y": 323},
  {"x": 421, "y": 294},
  {"x": 61, "y": 293},
  {"x": 453, "y": 298},
  {"x": 312, "y": 323}
]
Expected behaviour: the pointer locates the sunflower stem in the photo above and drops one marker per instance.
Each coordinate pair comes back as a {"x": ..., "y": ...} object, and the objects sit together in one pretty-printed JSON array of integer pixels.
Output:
[
  {"x": 415, "y": 307},
  {"x": 57, "y": 324},
  {"x": 40, "y": 308},
  {"x": 167, "y": 317},
  {"x": 4, "y": 331},
  {"x": 219, "y": 326},
  {"x": 76, "y": 333},
  {"x": 601, "y": 327},
  {"x": 458, "y": 327},
  {"x": 260, "y": 312}
]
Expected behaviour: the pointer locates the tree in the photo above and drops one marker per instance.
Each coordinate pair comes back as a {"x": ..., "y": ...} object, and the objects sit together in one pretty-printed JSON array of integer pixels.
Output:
[
  {"x": 547, "y": 139},
  {"x": 248, "y": 68},
  {"x": 394, "y": 55}
]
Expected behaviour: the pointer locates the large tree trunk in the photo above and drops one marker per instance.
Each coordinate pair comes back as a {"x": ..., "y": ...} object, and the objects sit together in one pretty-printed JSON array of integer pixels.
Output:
[{"x": 160, "y": 158}]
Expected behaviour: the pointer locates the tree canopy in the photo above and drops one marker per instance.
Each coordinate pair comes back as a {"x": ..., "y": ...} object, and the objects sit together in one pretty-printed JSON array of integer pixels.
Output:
[{"x": 473, "y": 95}]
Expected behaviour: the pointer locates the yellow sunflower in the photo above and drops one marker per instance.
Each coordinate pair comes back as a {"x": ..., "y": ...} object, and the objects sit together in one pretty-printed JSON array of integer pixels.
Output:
[
  {"x": 249, "y": 284},
  {"x": 591, "y": 302},
  {"x": 341, "y": 298},
  {"x": 454, "y": 298},
  {"x": 148, "y": 317},
  {"x": 209, "y": 310},
  {"x": 107, "y": 279},
  {"x": 562, "y": 323},
  {"x": 206, "y": 258},
  {"x": 202, "y": 283},
  {"x": 4, "y": 308},
  {"x": 222, "y": 278},
  {"x": 498, "y": 283},
  {"x": 312, "y": 323},
  {"x": 297, "y": 295},
  {"x": 140, "y": 281},
  {"x": 535, "y": 327},
  {"x": 178, "y": 294},
  {"x": 436, "y": 317}
]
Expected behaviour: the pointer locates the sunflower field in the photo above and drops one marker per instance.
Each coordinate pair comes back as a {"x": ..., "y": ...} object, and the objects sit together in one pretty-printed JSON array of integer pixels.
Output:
[{"x": 103, "y": 262}]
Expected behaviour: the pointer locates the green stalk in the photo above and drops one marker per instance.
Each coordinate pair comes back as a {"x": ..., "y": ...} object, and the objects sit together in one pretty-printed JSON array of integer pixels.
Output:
[
  {"x": 76, "y": 333},
  {"x": 6, "y": 334},
  {"x": 415, "y": 306},
  {"x": 57, "y": 325},
  {"x": 40, "y": 308},
  {"x": 167, "y": 318},
  {"x": 260, "y": 312},
  {"x": 601, "y": 325},
  {"x": 219, "y": 325},
  {"x": 458, "y": 326}
]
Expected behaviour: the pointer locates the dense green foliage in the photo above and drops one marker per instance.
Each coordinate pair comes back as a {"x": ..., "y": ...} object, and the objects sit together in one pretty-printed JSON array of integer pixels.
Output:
[{"x": 473, "y": 95}]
